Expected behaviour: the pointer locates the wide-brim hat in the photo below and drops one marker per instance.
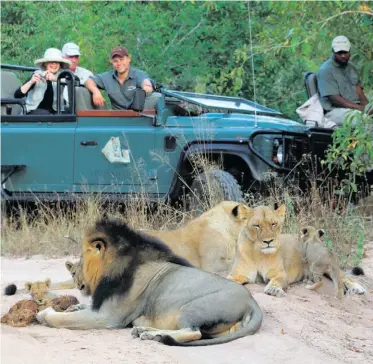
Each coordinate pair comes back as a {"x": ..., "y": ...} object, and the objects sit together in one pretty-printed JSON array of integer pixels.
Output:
[{"x": 53, "y": 55}]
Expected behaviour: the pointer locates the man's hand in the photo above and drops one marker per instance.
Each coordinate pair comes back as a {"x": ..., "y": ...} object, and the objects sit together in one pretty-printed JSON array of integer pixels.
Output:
[
  {"x": 98, "y": 99},
  {"x": 147, "y": 86}
]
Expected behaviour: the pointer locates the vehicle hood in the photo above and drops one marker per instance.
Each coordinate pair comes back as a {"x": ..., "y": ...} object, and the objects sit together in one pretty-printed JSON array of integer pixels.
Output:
[{"x": 235, "y": 121}]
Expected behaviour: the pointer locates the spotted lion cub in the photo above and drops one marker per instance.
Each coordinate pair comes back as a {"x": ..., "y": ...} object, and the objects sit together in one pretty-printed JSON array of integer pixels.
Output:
[{"x": 320, "y": 260}]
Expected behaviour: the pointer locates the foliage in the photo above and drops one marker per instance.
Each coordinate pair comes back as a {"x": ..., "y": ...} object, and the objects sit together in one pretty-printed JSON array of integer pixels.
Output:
[
  {"x": 351, "y": 150},
  {"x": 202, "y": 46}
]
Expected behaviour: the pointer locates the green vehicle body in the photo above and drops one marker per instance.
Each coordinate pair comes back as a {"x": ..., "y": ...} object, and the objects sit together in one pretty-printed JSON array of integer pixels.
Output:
[{"x": 60, "y": 156}]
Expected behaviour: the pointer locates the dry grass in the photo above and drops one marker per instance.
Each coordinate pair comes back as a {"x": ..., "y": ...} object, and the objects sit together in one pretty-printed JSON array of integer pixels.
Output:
[{"x": 55, "y": 231}]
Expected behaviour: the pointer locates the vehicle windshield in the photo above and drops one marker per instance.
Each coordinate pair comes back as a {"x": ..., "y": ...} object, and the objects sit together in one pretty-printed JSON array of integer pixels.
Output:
[{"x": 226, "y": 103}]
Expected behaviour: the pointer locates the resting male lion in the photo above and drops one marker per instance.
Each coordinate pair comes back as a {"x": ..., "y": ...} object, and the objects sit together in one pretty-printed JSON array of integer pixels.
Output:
[
  {"x": 207, "y": 242},
  {"x": 263, "y": 254},
  {"x": 135, "y": 279}
]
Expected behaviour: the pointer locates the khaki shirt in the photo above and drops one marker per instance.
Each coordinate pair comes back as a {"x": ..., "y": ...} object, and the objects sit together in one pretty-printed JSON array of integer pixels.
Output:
[
  {"x": 120, "y": 96},
  {"x": 83, "y": 74},
  {"x": 334, "y": 79}
]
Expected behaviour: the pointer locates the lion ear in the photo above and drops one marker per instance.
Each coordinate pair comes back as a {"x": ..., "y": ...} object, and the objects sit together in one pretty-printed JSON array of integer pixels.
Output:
[
  {"x": 97, "y": 246},
  {"x": 304, "y": 231},
  {"x": 47, "y": 282},
  {"x": 321, "y": 233},
  {"x": 281, "y": 212},
  {"x": 68, "y": 265},
  {"x": 28, "y": 286},
  {"x": 242, "y": 212}
]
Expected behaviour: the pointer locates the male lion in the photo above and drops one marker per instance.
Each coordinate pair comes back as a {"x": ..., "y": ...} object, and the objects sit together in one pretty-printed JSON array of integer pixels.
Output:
[
  {"x": 135, "y": 279},
  {"x": 263, "y": 254},
  {"x": 207, "y": 242}
]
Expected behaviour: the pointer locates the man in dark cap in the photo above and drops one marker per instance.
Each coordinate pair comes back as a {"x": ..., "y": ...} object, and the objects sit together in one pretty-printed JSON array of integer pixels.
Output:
[{"x": 120, "y": 83}]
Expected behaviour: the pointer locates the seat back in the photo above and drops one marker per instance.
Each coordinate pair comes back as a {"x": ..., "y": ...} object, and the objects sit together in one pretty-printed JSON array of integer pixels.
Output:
[
  {"x": 310, "y": 81},
  {"x": 151, "y": 101},
  {"x": 9, "y": 84},
  {"x": 83, "y": 100}
]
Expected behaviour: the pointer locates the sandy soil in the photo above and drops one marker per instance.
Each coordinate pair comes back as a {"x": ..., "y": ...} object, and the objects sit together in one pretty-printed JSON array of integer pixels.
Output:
[{"x": 303, "y": 327}]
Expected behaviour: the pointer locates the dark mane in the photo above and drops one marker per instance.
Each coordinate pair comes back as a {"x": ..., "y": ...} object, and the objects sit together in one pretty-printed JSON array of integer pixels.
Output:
[{"x": 140, "y": 247}]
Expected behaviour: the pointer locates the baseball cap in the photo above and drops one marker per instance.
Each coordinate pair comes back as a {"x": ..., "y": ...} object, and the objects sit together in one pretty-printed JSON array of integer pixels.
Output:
[
  {"x": 71, "y": 49},
  {"x": 119, "y": 51},
  {"x": 341, "y": 43}
]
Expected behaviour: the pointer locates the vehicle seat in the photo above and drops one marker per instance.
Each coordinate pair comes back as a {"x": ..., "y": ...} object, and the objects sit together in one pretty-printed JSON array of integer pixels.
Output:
[
  {"x": 151, "y": 101},
  {"x": 9, "y": 84},
  {"x": 310, "y": 81},
  {"x": 84, "y": 100}
]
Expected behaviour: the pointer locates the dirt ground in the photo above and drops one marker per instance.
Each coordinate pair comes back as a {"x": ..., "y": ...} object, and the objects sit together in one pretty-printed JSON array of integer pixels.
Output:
[{"x": 303, "y": 327}]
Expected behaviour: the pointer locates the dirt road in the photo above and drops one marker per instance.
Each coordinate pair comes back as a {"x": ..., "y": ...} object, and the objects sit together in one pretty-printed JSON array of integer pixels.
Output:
[{"x": 303, "y": 327}]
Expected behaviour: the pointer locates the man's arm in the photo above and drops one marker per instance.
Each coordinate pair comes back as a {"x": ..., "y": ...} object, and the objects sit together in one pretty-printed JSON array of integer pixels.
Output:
[
  {"x": 97, "y": 97},
  {"x": 339, "y": 101},
  {"x": 363, "y": 99}
]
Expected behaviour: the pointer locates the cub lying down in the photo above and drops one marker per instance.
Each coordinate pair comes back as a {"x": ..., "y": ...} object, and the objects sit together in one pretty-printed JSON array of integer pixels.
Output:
[{"x": 134, "y": 279}]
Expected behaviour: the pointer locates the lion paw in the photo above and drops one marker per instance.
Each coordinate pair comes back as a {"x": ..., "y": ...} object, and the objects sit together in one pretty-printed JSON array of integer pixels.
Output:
[
  {"x": 147, "y": 335},
  {"x": 274, "y": 291},
  {"x": 356, "y": 288},
  {"x": 78, "y": 307},
  {"x": 41, "y": 316}
]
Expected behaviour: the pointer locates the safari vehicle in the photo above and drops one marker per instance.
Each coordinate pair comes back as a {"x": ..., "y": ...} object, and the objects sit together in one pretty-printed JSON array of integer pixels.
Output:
[{"x": 61, "y": 156}]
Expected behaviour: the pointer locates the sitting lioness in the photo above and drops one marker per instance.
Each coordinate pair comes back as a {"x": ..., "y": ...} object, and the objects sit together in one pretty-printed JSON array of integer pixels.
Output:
[
  {"x": 134, "y": 279},
  {"x": 264, "y": 254}
]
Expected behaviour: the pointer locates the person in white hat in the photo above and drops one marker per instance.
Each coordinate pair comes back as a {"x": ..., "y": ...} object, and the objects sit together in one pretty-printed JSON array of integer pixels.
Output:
[
  {"x": 339, "y": 83},
  {"x": 41, "y": 89},
  {"x": 71, "y": 52}
]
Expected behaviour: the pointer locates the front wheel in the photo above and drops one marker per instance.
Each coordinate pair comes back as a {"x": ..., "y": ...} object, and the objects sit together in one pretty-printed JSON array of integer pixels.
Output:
[{"x": 211, "y": 187}]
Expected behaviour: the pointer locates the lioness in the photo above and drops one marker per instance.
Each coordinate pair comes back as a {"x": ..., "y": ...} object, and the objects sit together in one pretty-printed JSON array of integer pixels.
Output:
[
  {"x": 135, "y": 279},
  {"x": 319, "y": 260},
  {"x": 208, "y": 241},
  {"x": 263, "y": 254}
]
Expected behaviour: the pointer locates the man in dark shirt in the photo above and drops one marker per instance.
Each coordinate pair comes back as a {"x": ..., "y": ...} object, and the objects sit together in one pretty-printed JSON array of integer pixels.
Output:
[
  {"x": 120, "y": 83},
  {"x": 339, "y": 84}
]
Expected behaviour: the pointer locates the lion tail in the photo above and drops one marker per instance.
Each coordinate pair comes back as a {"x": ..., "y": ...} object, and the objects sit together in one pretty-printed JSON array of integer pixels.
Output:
[
  {"x": 10, "y": 290},
  {"x": 250, "y": 325}
]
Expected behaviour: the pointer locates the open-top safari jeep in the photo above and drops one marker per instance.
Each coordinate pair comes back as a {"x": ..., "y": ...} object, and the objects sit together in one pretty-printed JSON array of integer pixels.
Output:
[{"x": 159, "y": 151}]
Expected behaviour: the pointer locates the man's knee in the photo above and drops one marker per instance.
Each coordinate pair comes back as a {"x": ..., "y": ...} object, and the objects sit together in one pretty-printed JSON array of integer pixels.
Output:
[{"x": 338, "y": 115}]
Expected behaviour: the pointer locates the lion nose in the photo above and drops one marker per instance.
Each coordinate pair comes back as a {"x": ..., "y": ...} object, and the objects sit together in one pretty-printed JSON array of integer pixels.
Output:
[{"x": 268, "y": 242}]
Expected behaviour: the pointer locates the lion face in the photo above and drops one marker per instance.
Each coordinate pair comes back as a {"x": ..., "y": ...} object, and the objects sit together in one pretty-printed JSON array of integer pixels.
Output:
[
  {"x": 39, "y": 290},
  {"x": 311, "y": 234},
  {"x": 263, "y": 228},
  {"x": 76, "y": 271}
]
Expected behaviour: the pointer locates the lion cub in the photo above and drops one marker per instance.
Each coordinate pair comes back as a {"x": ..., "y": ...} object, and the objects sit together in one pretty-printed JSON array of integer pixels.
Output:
[{"x": 320, "y": 260}]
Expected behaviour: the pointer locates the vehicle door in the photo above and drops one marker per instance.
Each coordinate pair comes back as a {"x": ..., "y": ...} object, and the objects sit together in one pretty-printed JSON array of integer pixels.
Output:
[{"x": 133, "y": 170}]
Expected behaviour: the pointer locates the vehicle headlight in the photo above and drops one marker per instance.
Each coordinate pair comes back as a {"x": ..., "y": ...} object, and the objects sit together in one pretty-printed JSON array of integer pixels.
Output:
[{"x": 278, "y": 151}]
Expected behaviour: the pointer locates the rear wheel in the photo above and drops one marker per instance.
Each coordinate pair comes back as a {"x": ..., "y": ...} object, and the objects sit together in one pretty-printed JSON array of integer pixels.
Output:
[{"x": 211, "y": 187}]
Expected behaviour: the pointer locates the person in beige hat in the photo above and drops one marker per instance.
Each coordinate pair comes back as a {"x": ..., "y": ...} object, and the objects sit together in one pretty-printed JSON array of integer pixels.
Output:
[
  {"x": 120, "y": 83},
  {"x": 339, "y": 84},
  {"x": 41, "y": 89},
  {"x": 71, "y": 52}
]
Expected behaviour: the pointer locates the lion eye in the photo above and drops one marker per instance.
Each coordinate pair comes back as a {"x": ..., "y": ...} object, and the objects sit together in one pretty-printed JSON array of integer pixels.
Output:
[
  {"x": 274, "y": 224},
  {"x": 256, "y": 226},
  {"x": 73, "y": 274}
]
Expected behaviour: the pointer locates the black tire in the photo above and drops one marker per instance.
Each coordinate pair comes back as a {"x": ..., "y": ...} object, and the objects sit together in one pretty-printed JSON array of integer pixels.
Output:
[{"x": 210, "y": 188}]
